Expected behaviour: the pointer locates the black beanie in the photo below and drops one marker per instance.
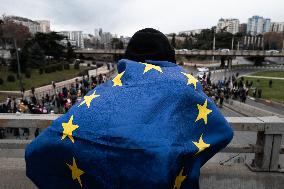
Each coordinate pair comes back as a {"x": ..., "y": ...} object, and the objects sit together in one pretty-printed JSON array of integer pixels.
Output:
[{"x": 149, "y": 44}]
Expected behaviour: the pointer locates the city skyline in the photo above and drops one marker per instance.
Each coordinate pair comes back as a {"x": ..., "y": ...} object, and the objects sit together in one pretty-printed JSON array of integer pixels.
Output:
[{"x": 124, "y": 18}]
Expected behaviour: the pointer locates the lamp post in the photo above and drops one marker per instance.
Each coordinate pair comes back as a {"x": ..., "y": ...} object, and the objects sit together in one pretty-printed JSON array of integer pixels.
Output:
[
  {"x": 213, "y": 48},
  {"x": 238, "y": 45},
  {"x": 233, "y": 40},
  {"x": 19, "y": 66}
]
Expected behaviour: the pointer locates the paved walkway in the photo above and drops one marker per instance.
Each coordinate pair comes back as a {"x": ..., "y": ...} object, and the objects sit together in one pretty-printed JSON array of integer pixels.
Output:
[
  {"x": 277, "y": 110},
  {"x": 263, "y": 77}
]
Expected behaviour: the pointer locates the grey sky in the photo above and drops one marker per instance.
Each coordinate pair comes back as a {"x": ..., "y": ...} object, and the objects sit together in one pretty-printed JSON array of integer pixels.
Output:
[{"x": 124, "y": 17}]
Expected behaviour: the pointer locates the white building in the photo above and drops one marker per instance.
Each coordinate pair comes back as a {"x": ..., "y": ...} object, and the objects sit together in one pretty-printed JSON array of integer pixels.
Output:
[
  {"x": 230, "y": 25},
  {"x": 277, "y": 27},
  {"x": 103, "y": 38},
  {"x": 44, "y": 26},
  {"x": 257, "y": 25},
  {"x": 106, "y": 39},
  {"x": 98, "y": 33},
  {"x": 74, "y": 37},
  {"x": 191, "y": 32},
  {"x": 33, "y": 26}
]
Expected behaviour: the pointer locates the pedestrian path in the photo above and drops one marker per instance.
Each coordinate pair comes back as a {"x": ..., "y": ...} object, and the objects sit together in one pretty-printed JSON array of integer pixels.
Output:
[
  {"x": 263, "y": 77},
  {"x": 49, "y": 88},
  {"x": 277, "y": 110}
]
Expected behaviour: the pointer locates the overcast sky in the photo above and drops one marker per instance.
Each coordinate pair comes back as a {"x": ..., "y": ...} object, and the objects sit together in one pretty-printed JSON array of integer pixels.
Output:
[{"x": 124, "y": 17}]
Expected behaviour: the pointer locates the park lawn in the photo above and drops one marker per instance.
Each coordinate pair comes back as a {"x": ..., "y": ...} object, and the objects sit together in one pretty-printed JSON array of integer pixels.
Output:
[
  {"x": 275, "y": 93},
  {"x": 36, "y": 79},
  {"x": 270, "y": 74}
]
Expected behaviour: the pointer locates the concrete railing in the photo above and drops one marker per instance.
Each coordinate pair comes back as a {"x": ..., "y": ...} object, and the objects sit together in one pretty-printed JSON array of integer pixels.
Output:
[{"x": 267, "y": 148}]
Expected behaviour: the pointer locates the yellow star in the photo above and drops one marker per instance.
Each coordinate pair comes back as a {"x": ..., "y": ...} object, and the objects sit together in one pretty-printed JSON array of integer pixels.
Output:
[
  {"x": 68, "y": 128},
  {"x": 203, "y": 112},
  {"x": 76, "y": 172},
  {"x": 149, "y": 67},
  {"x": 117, "y": 80},
  {"x": 191, "y": 79},
  {"x": 201, "y": 145},
  {"x": 179, "y": 179},
  {"x": 88, "y": 99}
]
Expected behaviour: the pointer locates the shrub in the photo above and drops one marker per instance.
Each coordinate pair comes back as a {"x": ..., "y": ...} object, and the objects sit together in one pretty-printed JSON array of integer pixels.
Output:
[
  {"x": 66, "y": 66},
  {"x": 47, "y": 70},
  {"x": 76, "y": 66},
  {"x": 59, "y": 67},
  {"x": 40, "y": 71},
  {"x": 88, "y": 64},
  {"x": 11, "y": 78},
  {"x": 28, "y": 74},
  {"x": 83, "y": 73},
  {"x": 53, "y": 68},
  {"x": 50, "y": 69},
  {"x": 1, "y": 81}
]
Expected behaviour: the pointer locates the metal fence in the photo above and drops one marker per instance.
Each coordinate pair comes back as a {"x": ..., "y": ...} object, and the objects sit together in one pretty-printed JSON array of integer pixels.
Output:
[
  {"x": 267, "y": 149},
  {"x": 259, "y": 53}
]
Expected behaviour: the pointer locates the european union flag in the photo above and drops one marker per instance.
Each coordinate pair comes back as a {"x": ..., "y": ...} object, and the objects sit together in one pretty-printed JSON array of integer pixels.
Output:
[{"x": 151, "y": 127}]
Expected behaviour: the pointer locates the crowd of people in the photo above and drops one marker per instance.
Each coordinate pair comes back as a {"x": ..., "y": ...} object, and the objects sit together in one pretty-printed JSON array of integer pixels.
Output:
[
  {"x": 58, "y": 103},
  {"x": 63, "y": 98},
  {"x": 232, "y": 87}
]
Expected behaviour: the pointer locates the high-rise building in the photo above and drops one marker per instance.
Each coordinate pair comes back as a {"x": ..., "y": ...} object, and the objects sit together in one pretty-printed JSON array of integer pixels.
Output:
[
  {"x": 277, "y": 27},
  {"x": 103, "y": 39},
  {"x": 257, "y": 25},
  {"x": 74, "y": 37},
  {"x": 266, "y": 25},
  {"x": 106, "y": 39},
  {"x": 33, "y": 26},
  {"x": 98, "y": 33},
  {"x": 229, "y": 25},
  {"x": 44, "y": 26},
  {"x": 243, "y": 28}
]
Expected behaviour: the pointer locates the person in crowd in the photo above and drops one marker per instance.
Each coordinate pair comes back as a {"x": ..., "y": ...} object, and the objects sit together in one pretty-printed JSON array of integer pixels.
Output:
[
  {"x": 36, "y": 132},
  {"x": 259, "y": 92},
  {"x": 270, "y": 83}
]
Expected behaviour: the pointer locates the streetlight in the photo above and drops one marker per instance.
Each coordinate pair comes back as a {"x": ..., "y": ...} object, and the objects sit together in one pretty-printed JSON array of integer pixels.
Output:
[
  {"x": 233, "y": 40},
  {"x": 214, "y": 44},
  {"x": 19, "y": 66}
]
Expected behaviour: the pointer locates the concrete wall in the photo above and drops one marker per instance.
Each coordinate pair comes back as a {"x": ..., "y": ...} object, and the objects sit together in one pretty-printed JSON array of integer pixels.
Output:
[
  {"x": 248, "y": 110},
  {"x": 213, "y": 176},
  {"x": 238, "y": 176}
]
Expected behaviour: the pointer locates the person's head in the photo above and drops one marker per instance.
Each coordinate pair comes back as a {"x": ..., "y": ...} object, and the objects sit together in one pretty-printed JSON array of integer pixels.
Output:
[{"x": 149, "y": 44}]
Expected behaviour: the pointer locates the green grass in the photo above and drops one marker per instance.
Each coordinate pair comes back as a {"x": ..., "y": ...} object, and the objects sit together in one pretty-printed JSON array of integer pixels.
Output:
[
  {"x": 276, "y": 92},
  {"x": 36, "y": 79},
  {"x": 270, "y": 74}
]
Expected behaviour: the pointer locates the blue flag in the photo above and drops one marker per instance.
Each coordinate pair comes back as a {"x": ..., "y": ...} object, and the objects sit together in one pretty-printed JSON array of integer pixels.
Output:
[{"x": 151, "y": 127}]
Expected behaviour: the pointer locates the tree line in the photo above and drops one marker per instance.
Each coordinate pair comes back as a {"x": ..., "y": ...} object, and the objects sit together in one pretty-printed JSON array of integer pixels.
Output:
[
  {"x": 35, "y": 51},
  {"x": 223, "y": 40}
]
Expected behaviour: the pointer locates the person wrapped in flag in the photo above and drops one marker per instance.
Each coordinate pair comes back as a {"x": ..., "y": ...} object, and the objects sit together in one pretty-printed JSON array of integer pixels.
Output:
[{"x": 151, "y": 127}]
